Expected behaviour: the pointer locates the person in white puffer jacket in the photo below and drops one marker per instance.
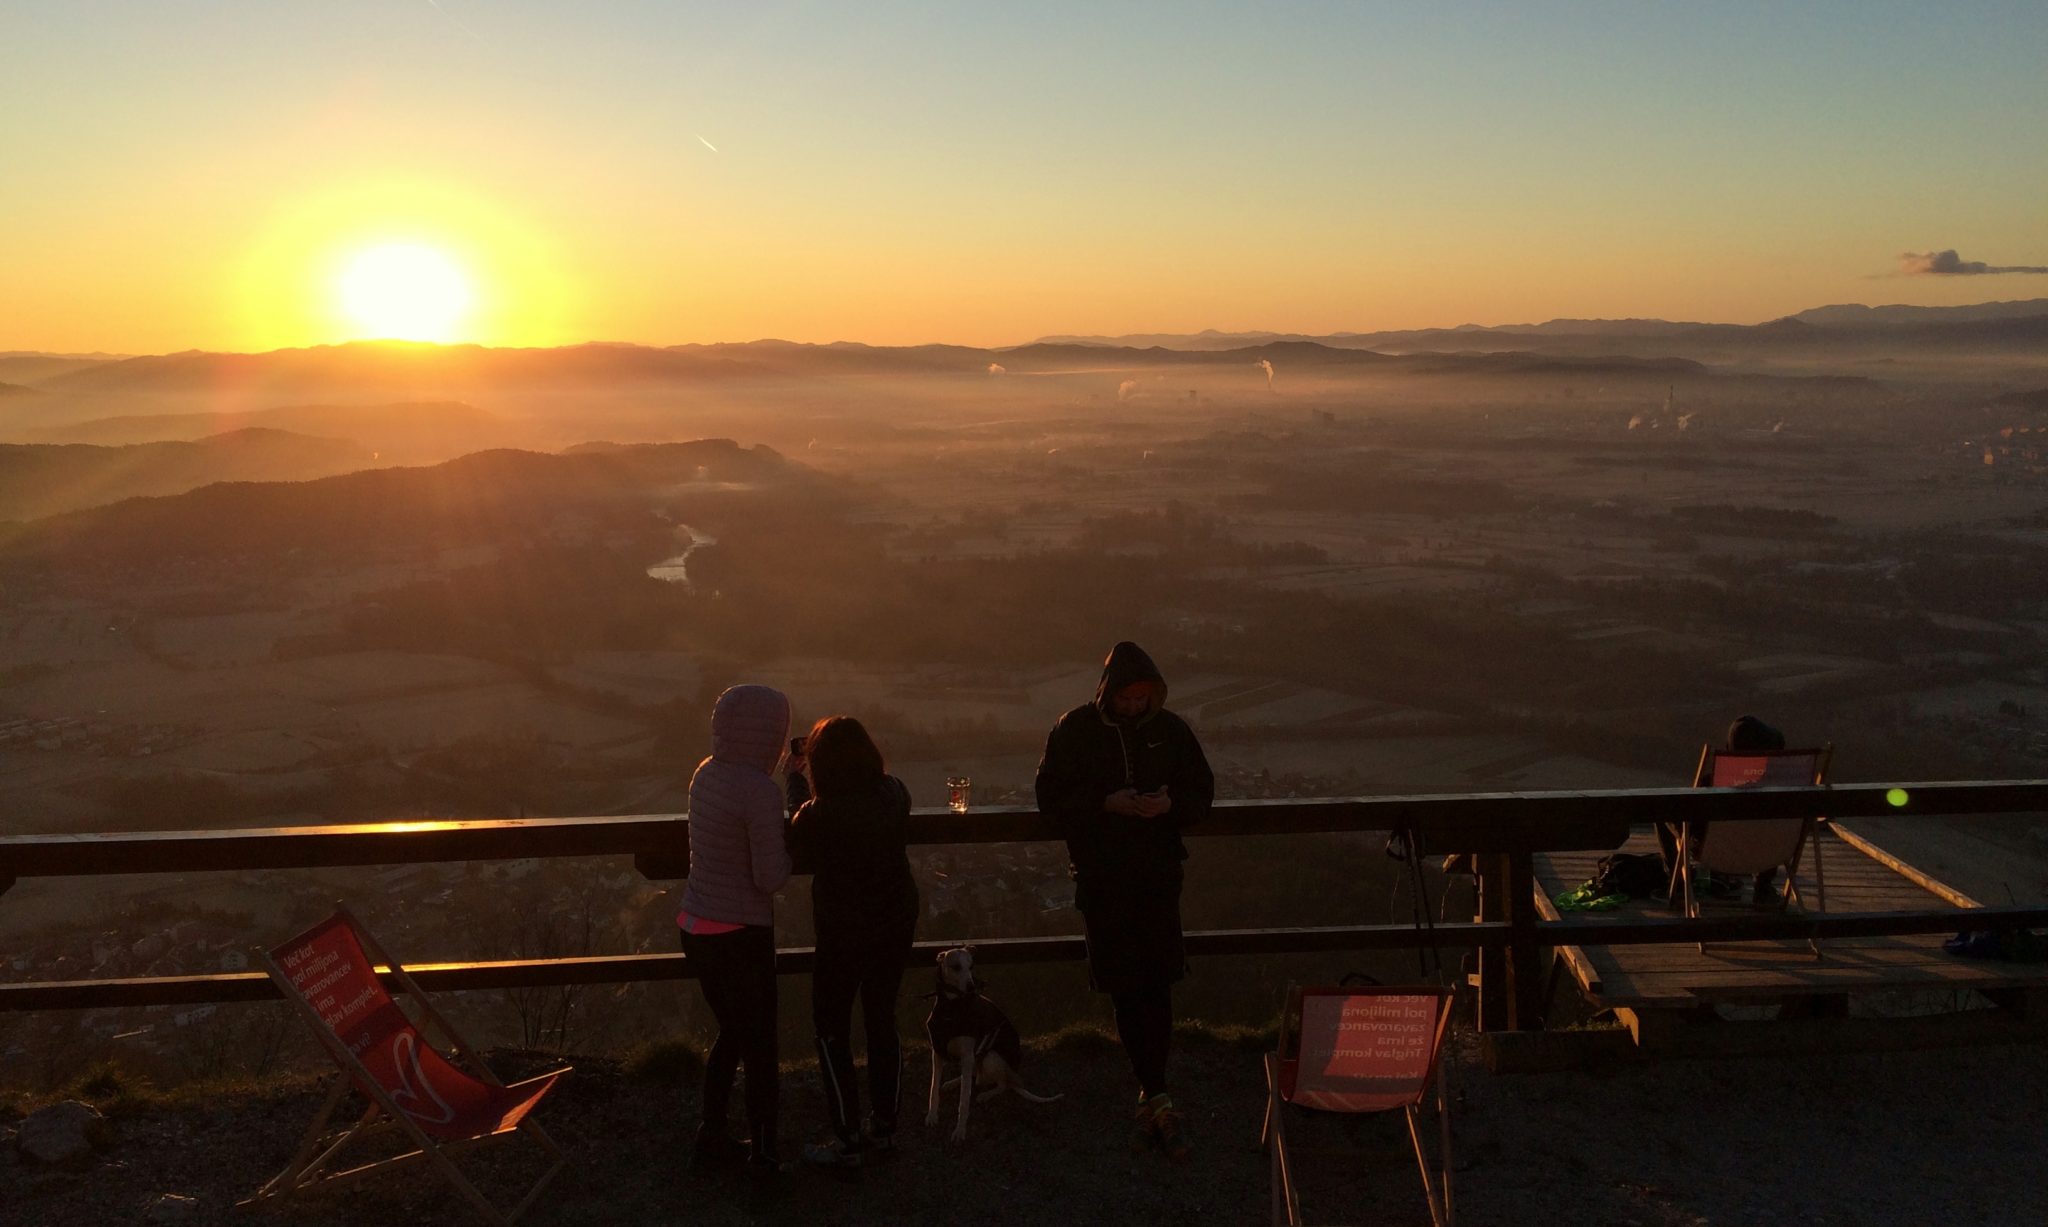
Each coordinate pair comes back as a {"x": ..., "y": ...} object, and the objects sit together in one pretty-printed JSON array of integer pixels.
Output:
[{"x": 738, "y": 860}]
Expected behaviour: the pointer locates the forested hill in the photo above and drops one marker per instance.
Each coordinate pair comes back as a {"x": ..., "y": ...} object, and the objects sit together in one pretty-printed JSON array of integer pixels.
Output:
[{"x": 488, "y": 498}]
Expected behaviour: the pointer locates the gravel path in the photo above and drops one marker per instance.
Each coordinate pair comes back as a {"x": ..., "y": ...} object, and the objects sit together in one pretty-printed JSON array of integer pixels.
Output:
[{"x": 1936, "y": 1137}]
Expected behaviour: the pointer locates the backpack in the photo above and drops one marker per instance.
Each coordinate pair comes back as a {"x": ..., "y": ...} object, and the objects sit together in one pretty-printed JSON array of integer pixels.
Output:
[{"x": 1637, "y": 875}]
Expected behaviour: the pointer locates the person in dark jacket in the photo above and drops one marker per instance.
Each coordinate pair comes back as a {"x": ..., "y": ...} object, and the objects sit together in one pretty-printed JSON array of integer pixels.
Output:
[
  {"x": 1121, "y": 778},
  {"x": 850, "y": 837}
]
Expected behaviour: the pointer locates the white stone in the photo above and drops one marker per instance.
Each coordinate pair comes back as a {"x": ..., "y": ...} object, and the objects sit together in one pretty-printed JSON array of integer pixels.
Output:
[{"x": 59, "y": 1133}]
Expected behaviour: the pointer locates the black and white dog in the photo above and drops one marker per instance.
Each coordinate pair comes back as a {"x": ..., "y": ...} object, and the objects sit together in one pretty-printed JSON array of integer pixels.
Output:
[{"x": 972, "y": 1031}]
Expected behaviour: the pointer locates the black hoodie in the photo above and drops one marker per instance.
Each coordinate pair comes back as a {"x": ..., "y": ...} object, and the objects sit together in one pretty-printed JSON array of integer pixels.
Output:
[
  {"x": 853, "y": 846},
  {"x": 1091, "y": 754}
]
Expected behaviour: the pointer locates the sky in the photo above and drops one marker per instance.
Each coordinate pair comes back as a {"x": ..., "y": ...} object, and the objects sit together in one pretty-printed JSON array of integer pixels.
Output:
[{"x": 177, "y": 174}]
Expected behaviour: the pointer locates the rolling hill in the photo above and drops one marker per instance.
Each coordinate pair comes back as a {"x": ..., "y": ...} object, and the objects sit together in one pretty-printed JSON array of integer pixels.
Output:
[
  {"x": 401, "y": 433},
  {"x": 46, "y": 479},
  {"x": 488, "y": 498}
]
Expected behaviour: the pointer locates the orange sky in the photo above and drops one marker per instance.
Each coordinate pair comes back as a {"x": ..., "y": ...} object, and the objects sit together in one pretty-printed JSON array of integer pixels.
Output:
[{"x": 202, "y": 176}]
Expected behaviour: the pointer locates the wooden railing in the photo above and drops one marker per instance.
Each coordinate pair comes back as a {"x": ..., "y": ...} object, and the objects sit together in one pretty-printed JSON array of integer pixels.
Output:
[{"x": 1501, "y": 831}]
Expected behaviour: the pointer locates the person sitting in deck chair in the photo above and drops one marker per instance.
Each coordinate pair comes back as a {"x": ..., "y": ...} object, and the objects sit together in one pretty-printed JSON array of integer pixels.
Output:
[{"x": 1746, "y": 735}]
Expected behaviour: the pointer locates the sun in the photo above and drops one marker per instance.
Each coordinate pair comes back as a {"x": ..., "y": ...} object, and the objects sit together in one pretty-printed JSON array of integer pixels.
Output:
[{"x": 405, "y": 292}]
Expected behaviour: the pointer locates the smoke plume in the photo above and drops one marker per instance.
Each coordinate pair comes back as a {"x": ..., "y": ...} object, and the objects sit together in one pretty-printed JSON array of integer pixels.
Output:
[
  {"x": 1949, "y": 264},
  {"x": 1267, "y": 366},
  {"x": 997, "y": 368},
  {"x": 1127, "y": 389}
]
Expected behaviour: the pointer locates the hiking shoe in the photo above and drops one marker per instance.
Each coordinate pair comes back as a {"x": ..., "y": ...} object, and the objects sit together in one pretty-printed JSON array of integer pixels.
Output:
[{"x": 1166, "y": 1128}]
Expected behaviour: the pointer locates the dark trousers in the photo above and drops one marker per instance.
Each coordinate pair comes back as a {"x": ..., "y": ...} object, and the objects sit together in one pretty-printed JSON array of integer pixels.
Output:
[
  {"x": 873, "y": 971},
  {"x": 1144, "y": 1022},
  {"x": 737, "y": 973}
]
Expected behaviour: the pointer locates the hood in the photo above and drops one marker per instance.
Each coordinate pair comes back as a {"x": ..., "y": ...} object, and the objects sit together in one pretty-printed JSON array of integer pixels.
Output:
[
  {"x": 749, "y": 726},
  {"x": 1128, "y": 663}
]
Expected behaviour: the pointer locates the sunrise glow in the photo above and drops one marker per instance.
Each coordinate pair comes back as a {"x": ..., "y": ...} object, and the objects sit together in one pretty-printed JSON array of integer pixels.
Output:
[{"x": 405, "y": 292}]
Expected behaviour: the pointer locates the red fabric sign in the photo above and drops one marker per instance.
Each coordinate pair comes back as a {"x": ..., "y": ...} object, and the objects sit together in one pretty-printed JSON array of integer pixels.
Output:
[
  {"x": 326, "y": 965},
  {"x": 1776, "y": 771},
  {"x": 1365, "y": 1052}
]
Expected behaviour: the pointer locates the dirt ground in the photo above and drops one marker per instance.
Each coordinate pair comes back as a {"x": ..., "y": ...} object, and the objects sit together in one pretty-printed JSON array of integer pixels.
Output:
[{"x": 1935, "y": 1137}]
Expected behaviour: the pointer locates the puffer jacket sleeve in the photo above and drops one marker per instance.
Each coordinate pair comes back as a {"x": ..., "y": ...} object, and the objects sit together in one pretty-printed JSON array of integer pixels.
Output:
[{"x": 767, "y": 844}]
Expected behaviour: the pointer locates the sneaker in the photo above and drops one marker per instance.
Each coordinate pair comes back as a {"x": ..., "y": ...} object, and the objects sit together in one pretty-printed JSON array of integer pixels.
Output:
[
  {"x": 764, "y": 1159},
  {"x": 1166, "y": 1130},
  {"x": 835, "y": 1156},
  {"x": 1716, "y": 886},
  {"x": 715, "y": 1147},
  {"x": 1144, "y": 1137},
  {"x": 766, "y": 1168},
  {"x": 878, "y": 1147}
]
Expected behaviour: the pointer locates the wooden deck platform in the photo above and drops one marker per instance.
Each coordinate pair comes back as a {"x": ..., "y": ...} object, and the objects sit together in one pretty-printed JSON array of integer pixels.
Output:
[{"x": 1652, "y": 977}]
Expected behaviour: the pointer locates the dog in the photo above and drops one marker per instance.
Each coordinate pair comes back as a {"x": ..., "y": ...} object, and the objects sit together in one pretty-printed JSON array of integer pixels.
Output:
[{"x": 970, "y": 1030}]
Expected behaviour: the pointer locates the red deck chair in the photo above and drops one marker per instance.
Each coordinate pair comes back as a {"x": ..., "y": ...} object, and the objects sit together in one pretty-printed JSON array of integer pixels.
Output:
[
  {"x": 442, "y": 1104},
  {"x": 1748, "y": 848},
  {"x": 1364, "y": 1049}
]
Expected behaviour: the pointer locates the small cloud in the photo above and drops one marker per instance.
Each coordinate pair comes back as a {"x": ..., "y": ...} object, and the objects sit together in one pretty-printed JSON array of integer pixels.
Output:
[
  {"x": 1127, "y": 389},
  {"x": 997, "y": 368},
  {"x": 707, "y": 144},
  {"x": 1949, "y": 264}
]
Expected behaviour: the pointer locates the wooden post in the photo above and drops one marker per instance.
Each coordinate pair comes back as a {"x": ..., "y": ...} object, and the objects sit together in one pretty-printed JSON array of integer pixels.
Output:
[
  {"x": 1526, "y": 981},
  {"x": 1492, "y": 876},
  {"x": 670, "y": 858}
]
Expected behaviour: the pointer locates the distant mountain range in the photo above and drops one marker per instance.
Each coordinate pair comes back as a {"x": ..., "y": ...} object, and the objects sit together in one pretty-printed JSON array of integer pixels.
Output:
[
  {"x": 378, "y": 370},
  {"x": 1568, "y": 348},
  {"x": 1843, "y": 317}
]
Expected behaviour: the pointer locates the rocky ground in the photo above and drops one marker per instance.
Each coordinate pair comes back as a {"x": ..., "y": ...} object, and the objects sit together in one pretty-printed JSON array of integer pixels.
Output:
[{"x": 1932, "y": 1137}]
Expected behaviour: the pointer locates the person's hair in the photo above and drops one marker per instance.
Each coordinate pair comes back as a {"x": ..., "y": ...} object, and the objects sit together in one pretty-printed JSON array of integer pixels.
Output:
[
  {"x": 842, "y": 757},
  {"x": 1750, "y": 735}
]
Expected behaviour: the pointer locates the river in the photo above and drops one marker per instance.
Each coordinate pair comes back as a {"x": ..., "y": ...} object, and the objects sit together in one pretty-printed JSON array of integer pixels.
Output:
[{"x": 676, "y": 569}]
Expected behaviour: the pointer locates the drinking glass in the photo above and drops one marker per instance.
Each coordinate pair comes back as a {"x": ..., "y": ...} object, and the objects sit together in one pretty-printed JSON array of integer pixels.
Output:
[{"x": 956, "y": 793}]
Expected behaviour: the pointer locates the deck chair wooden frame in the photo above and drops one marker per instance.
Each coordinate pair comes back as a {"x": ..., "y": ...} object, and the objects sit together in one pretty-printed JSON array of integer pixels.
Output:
[
  {"x": 1407, "y": 1094},
  {"x": 321, "y": 1146},
  {"x": 1682, "y": 888}
]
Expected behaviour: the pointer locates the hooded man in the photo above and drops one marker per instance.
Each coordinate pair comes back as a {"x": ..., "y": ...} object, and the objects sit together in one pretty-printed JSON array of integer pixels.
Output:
[{"x": 1121, "y": 777}]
